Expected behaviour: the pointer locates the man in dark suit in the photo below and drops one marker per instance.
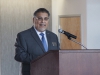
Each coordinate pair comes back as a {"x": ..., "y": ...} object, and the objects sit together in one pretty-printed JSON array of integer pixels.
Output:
[{"x": 29, "y": 44}]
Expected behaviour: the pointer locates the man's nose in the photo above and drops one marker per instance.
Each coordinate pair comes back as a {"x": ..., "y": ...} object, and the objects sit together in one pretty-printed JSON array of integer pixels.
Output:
[{"x": 43, "y": 20}]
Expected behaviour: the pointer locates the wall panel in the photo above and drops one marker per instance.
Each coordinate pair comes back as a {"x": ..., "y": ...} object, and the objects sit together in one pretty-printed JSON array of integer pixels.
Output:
[
  {"x": 16, "y": 16},
  {"x": 0, "y": 37}
]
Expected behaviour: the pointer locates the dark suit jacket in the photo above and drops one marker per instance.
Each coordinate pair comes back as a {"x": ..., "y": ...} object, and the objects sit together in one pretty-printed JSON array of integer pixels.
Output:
[{"x": 29, "y": 47}]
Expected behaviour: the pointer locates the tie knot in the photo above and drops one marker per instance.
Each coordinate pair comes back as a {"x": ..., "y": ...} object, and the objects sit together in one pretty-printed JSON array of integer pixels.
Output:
[{"x": 42, "y": 34}]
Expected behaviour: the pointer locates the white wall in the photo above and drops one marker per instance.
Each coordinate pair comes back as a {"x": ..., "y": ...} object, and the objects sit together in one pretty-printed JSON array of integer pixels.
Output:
[
  {"x": 15, "y": 16},
  {"x": 93, "y": 24},
  {"x": 90, "y": 18},
  {"x": 70, "y": 7}
]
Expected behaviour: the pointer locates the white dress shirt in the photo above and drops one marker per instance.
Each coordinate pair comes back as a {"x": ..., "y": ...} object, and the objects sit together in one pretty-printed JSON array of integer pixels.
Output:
[{"x": 41, "y": 36}]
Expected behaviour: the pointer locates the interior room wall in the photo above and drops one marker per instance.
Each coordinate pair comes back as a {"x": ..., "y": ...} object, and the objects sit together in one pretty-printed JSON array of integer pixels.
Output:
[
  {"x": 0, "y": 38},
  {"x": 15, "y": 16},
  {"x": 70, "y": 8},
  {"x": 93, "y": 24},
  {"x": 90, "y": 13}
]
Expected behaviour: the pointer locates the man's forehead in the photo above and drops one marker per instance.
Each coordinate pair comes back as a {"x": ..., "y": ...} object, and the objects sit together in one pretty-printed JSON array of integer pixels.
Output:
[{"x": 42, "y": 14}]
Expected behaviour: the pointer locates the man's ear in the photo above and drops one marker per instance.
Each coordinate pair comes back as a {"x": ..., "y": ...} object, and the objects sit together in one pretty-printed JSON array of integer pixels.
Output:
[{"x": 33, "y": 19}]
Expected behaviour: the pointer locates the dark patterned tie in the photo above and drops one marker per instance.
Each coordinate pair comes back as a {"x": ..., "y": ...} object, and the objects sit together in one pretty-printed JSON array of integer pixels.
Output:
[{"x": 44, "y": 42}]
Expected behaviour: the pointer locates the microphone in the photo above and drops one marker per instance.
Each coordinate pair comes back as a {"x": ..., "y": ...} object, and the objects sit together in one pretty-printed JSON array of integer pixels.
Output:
[{"x": 69, "y": 35}]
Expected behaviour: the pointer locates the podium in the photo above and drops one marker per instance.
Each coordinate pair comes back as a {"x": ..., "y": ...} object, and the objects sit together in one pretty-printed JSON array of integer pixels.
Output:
[{"x": 67, "y": 62}]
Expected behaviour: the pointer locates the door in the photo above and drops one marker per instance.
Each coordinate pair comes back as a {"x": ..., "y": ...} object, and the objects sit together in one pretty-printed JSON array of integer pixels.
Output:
[{"x": 72, "y": 25}]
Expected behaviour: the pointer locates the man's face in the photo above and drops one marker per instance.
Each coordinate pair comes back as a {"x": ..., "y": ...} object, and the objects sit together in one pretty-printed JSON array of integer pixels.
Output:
[{"x": 41, "y": 21}]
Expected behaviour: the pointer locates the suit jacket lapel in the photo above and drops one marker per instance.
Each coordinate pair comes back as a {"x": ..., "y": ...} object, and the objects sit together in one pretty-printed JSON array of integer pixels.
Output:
[
  {"x": 48, "y": 39},
  {"x": 35, "y": 36}
]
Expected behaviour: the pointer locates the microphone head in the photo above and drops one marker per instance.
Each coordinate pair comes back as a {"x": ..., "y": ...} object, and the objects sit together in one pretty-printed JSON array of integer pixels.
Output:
[{"x": 60, "y": 31}]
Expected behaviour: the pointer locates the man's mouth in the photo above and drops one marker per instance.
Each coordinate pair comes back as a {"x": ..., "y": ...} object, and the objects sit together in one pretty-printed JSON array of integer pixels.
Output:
[{"x": 42, "y": 25}]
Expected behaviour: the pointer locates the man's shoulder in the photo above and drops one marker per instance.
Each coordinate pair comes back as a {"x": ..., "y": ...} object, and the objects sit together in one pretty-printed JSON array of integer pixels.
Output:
[{"x": 25, "y": 31}]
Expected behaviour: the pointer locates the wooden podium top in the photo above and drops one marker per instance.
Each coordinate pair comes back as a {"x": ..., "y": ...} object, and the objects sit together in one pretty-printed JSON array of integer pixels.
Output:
[
  {"x": 69, "y": 51},
  {"x": 67, "y": 62}
]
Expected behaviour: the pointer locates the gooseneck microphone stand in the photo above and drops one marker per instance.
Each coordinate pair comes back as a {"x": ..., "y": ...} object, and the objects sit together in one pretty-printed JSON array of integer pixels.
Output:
[{"x": 70, "y": 38}]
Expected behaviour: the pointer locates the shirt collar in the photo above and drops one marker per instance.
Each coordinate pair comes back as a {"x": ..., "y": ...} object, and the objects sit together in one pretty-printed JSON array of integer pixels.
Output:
[{"x": 44, "y": 32}]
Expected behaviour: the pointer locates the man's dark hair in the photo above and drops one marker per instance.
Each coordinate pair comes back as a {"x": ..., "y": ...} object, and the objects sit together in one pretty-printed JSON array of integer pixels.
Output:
[{"x": 41, "y": 10}]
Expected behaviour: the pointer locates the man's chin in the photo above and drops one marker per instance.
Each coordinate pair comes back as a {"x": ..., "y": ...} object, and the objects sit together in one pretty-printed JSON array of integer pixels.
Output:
[{"x": 42, "y": 30}]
